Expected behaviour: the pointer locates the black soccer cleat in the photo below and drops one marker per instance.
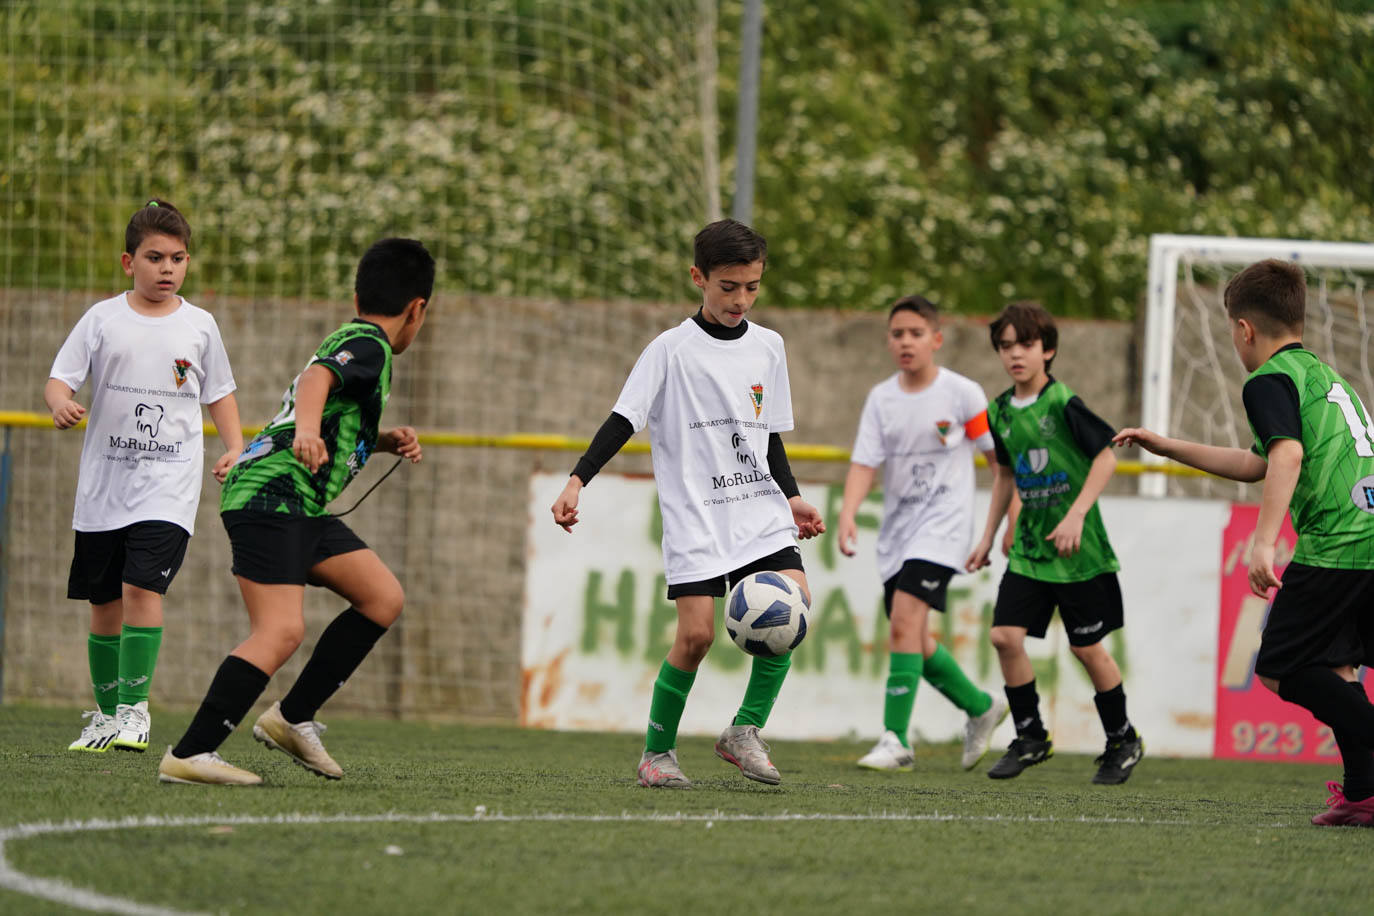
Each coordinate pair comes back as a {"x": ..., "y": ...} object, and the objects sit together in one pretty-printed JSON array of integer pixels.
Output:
[
  {"x": 1118, "y": 760},
  {"x": 1022, "y": 753}
]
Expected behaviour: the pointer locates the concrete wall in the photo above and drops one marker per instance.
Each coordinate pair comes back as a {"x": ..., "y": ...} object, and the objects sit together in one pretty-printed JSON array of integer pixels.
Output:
[{"x": 454, "y": 527}]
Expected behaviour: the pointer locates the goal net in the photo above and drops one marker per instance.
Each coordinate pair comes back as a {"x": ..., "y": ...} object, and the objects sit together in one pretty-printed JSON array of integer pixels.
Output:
[
  {"x": 556, "y": 156},
  {"x": 1192, "y": 376}
]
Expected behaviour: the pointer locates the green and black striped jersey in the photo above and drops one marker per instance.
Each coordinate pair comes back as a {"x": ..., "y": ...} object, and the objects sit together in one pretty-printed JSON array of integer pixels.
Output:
[
  {"x": 269, "y": 478},
  {"x": 1050, "y": 444},
  {"x": 1295, "y": 395}
]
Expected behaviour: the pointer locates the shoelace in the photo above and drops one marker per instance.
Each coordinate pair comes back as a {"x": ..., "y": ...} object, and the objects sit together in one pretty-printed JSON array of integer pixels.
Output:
[
  {"x": 311, "y": 731},
  {"x": 1337, "y": 794},
  {"x": 97, "y": 718}
]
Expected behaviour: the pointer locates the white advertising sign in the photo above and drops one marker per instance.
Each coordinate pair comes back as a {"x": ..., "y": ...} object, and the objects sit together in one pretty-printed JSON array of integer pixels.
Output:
[{"x": 597, "y": 626}]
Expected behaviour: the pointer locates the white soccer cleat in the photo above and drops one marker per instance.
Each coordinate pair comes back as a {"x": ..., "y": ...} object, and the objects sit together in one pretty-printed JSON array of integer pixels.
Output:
[
  {"x": 97, "y": 734},
  {"x": 660, "y": 771},
  {"x": 742, "y": 746},
  {"x": 207, "y": 769},
  {"x": 134, "y": 725},
  {"x": 978, "y": 732},
  {"x": 301, "y": 741},
  {"x": 889, "y": 754}
]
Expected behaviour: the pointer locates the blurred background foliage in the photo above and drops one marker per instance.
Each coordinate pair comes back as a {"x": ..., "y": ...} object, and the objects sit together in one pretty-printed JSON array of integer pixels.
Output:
[{"x": 974, "y": 152}]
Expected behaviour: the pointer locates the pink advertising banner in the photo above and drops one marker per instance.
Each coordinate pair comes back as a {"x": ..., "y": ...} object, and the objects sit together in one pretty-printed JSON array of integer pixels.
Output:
[{"x": 1251, "y": 722}]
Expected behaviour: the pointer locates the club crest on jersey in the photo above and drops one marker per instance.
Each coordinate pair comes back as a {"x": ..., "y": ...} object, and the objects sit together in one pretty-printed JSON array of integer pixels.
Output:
[
  {"x": 179, "y": 369},
  {"x": 1047, "y": 426},
  {"x": 756, "y": 395},
  {"x": 942, "y": 428}
]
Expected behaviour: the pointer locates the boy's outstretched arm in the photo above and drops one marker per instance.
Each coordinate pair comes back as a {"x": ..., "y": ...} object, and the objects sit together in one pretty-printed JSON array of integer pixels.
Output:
[
  {"x": 311, "y": 393},
  {"x": 857, "y": 484},
  {"x": 1223, "y": 461},
  {"x": 66, "y": 413},
  {"x": 806, "y": 516},
  {"x": 1068, "y": 534},
  {"x": 1003, "y": 487},
  {"x": 1285, "y": 463},
  {"x": 225, "y": 415},
  {"x": 402, "y": 441},
  {"x": 609, "y": 439}
]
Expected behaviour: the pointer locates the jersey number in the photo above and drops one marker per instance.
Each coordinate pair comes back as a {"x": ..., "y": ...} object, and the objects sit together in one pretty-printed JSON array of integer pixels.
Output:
[{"x": 1363, "y": 435}]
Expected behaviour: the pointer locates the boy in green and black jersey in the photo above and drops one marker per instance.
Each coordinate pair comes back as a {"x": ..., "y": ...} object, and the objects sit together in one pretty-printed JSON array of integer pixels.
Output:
[
  {"x": 274, "y": 507},
  {"x": 1056, "y": 455},
  {"x": 1314, "y": 450}
]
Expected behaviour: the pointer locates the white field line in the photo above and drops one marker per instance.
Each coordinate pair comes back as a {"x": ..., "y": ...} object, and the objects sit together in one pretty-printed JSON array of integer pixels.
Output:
[{"x": 65, "y": 893}]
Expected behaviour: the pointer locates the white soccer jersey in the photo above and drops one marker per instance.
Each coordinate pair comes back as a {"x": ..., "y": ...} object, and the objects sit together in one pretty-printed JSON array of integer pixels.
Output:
[
  {"x": 143, "y": 452},
  {"x": 710, "y": 405},
  {"x": 925, "y": 442}
]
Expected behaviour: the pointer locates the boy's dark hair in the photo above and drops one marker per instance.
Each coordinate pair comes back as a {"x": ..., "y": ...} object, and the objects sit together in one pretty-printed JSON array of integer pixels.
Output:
[
  {"x": 921, "y": 306},
  {"x": 392, "y": 273},
  {"x": 156, "y": 217},
  {"x": 726, "y": 242},
  {"x": 1271, "y": 295},
  {"x": 1032, "y": 322}
]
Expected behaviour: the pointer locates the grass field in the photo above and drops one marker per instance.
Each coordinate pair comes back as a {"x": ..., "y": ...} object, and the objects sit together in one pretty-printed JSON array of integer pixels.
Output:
[{"x": 475, "y": 819}]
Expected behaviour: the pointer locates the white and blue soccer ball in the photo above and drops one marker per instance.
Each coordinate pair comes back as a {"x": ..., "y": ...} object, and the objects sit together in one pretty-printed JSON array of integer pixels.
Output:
[{"x": 765, "y": 614}]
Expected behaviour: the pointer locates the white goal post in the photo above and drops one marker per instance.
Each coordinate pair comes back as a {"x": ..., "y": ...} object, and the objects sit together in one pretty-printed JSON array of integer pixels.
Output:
[{"x": 1185, "y": 322}]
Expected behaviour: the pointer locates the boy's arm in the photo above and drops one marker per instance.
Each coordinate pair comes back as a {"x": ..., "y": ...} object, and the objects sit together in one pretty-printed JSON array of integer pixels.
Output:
[
  {"x": 1068, "y": 534},
  {"x": 225, "y": 414},
  {"x": 1285, "y": 463},
  {"x": 806, "y": 516},
  {"x": 857, "y": 484},
  {"x": 609, "y": 440},
  {"x": 1223, "y": 461},
  {"x": 1003, "y": 487},
  {"x": 402, "y": 441},
  {"x": 311, "y": 393},
  {"x": 1013, "y": 509},
  {"x": 66, "y": 413}
]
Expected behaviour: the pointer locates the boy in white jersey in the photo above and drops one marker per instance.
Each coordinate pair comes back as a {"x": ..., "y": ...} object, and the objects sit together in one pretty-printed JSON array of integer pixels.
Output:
[
  {"x": 714, "y": 393},
  {"x": 923, "y": 424},
  {"x": 153, "y": 359}
]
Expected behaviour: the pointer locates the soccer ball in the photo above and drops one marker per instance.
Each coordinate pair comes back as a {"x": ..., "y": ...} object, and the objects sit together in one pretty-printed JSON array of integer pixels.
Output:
[{"x": 765, "y": 614}]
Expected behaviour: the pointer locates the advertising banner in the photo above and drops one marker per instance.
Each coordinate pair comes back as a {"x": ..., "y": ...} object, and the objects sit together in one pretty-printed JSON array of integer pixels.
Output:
[{"x": 597, "y": 626}]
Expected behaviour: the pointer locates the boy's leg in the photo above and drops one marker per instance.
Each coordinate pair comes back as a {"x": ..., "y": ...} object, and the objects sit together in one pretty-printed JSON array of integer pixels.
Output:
[
  {"x": 1351, "y": 804},
  {"x": 140, "y": 639},
  {"x": 985, "y": 712},
  {"x": 276, "y": 618},
  {"x": 102, "y": 655},
  {"x": 658, "y": 766},
  {"x": 907, "y": 637},
  {"x": 376, "y": 599},
  {"x": 1090, "y": 610},
  {"x": 1032, "y": 743}
]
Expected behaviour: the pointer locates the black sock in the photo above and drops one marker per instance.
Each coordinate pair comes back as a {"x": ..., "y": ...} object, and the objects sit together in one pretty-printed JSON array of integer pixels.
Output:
[
  {"x": 234, "y": 689},
  {"x": 1025, "y": 711},
  {"x": 1324, "y": 693},
  {"x": 1357, "y": 758},
  {"x": 342, "y": 647},
  {"x": 1111, "y": 709}
]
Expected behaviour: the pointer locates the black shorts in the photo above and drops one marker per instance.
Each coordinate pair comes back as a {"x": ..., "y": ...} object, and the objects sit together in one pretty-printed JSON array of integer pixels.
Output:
[
  {"x": 145, "y": 554},
  {"x": 1090, "y": 609},
  {"x": 282, "y": 549},
  {"x": 927, "y": 581},
  {"x": 1320, "y": 617},
  {"x": 787, "y": 558}
]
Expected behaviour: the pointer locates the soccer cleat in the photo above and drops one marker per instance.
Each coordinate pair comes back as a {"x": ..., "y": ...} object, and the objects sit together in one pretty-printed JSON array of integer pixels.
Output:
[
  {"x": 301, "y": 742},
  {"x": 1115, "y": 765},
  {"x": 978, "y": 732},
  {"x": 133, "y": 723},
  {"x": 889, "y": 754},
  {"x": 97, "y": 734},
  {"x": 207, "y": 769},
  {"x": 660, "y": 771},
  {"x": 1021, "y": 754},
  {"x": 1341, "y": 812},
  {"x": 742, "y": 746}
]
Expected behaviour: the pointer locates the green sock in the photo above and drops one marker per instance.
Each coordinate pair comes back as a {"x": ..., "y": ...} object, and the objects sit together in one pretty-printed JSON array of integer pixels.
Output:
[
  {"x": 944, "y": 672},
  {"x": 103, "y": 653},
  {"x": 903, "y": 677},
  {"x": 765, "y": 681},
  {"x": 137, "y": 658},
  {"x": 665, "y": 711}
]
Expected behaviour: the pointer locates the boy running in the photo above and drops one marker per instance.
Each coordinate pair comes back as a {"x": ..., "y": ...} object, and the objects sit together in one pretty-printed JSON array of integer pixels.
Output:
[
  {"x": 153, "y": 359},
  {"x": 274, "y": 507},
  {"x": 1056, "y": 454},
  {"x": 1314, "y": 450},
  {"x": 714, "y": 393},
  {"x": 923, "y": 424}
]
